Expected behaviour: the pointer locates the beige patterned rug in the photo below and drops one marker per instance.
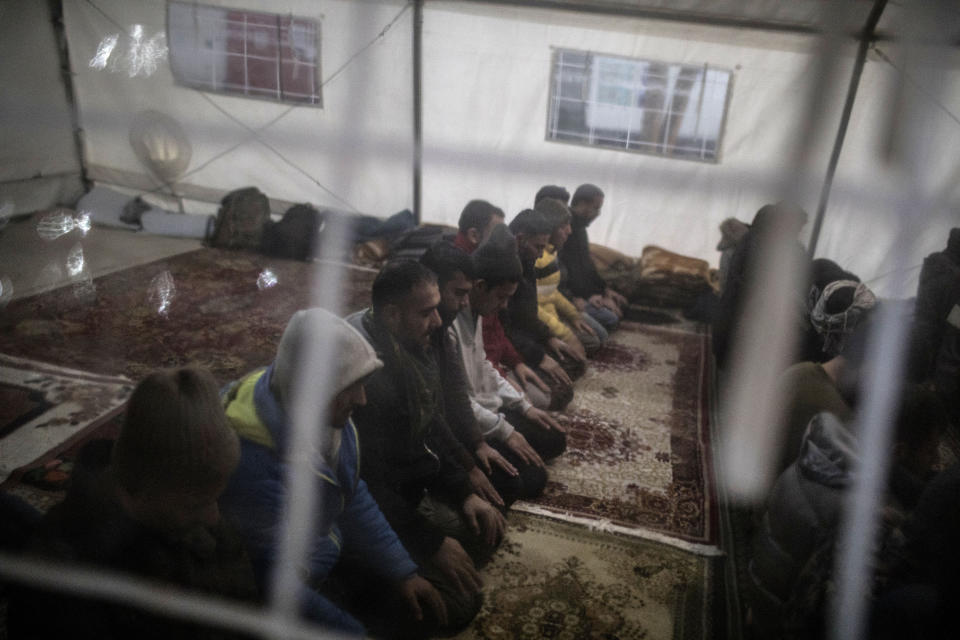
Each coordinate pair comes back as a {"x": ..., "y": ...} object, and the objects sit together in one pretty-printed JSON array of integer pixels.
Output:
[
  {"x": 638, "y": 457},
  {"x": 552, "y": 579}
]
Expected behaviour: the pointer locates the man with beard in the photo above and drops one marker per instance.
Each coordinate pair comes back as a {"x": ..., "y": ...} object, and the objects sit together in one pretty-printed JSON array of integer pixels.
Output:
[
  {"x": 356, "y": 566},
  {"x": 583, "y": 285},
  {"x": 524, "y": 327},
  {"x": 455, "y": 273},
  {"x": 578, "y": 329},
  {"x": 410, "y": 464}
]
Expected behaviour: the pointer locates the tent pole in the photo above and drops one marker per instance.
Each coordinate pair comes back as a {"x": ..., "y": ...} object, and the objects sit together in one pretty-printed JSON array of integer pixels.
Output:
[
  {"x": 866, "y": 37},
  {"x": 417, "y": 108},
  {"x": 66, "y": 73}
]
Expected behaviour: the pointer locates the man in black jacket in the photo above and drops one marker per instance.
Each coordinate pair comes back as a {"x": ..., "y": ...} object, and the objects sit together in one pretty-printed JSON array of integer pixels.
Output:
[
  {"x": 409, "y": 452},
  {"x": 938, "y": 323},
  {"x": 584, "y": 286}
]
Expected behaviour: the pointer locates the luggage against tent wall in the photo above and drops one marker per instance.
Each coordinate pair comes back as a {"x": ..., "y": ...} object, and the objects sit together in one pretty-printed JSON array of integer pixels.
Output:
[
  {"x": 295, "y": 236},
  {"x": 414, "y": 243},
  {"x": 241, "y": 219}
]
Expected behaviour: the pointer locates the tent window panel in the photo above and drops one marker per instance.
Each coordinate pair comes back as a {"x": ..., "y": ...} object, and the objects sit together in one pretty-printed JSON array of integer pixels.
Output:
[
  {"x": 255, "y": 54},
  {"x": 666, "y": 109}
]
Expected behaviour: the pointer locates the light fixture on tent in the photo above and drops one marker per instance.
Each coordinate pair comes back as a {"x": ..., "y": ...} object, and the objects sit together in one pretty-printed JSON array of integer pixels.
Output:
[{"x": 162, "y": 147}]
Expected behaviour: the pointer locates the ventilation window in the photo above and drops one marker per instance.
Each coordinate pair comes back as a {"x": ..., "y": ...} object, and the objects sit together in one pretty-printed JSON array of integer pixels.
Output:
[
  {"x": 659, "y": 108},
  {"x": 249, "y": 53}
]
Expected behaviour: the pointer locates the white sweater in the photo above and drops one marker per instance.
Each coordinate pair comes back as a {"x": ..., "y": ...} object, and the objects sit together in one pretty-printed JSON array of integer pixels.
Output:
[{"x": 489, "y": 391}]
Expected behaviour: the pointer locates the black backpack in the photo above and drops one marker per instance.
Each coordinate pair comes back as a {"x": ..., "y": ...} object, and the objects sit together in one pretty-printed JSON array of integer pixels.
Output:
[
  {"x": 296, "y": 236},
  {"x": 240, "y": 221}
]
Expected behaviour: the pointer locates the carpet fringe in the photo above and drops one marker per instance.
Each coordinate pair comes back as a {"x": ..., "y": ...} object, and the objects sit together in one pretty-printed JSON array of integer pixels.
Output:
[{"x": 606, "y": 526}]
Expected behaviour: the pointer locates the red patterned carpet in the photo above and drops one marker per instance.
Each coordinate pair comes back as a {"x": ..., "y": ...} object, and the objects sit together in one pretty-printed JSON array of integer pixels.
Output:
[
  {"x": 224, "y": 310},
  {"x": 638, "y": 457}
]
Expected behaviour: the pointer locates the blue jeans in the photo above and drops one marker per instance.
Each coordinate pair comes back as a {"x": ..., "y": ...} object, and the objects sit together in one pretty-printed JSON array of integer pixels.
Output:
[{"x": 604, "y": 316}]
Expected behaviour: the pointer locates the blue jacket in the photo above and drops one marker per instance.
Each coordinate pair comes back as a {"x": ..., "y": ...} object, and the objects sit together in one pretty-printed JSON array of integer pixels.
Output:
[{"x": 348, "y": 519}]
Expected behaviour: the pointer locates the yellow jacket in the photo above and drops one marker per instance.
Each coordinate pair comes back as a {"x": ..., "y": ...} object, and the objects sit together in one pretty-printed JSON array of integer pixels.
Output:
[{"x": 554, "y": 308}]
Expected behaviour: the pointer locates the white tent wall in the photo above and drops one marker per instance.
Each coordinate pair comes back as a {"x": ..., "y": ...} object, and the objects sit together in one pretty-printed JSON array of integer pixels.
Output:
[
  {"x": 861, "y": 228},
  {"x": 486, "y": 137},
  {"x": 39, "y": 158},
  {"x": 486, "y": 83},
  {"x": 358, "y": 146}
]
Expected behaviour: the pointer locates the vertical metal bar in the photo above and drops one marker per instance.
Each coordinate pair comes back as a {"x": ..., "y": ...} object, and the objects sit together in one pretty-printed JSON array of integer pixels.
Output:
[
  {"x": 66, "y": 73},
  {"x": 866, "y": 37},
  {"x": 417, "y": 109},
  {"x": 703, "y": 93}
]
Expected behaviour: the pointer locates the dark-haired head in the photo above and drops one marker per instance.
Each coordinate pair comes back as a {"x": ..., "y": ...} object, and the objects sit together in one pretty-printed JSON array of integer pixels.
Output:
[
  {"x": 445, "y": 260},
  {"x": 552, "y": 191},
  {"x": 586, "y": 202},
  {"x": 497, "y": 260},
  {"x": 586, "y": 193},
  {"x": 480, "y": 216},
  {"x": 498, "y": 272},
  {"x": 405, "y": 302},
  {"x": 532, "y": 232},
  {"x": 397, "y": 280},
  {"x": 455, "y": 275}
]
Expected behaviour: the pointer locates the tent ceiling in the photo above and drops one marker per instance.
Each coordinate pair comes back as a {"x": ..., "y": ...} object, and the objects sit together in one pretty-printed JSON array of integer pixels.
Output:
[
  {"x": 800, "y": 16},
  {"x": 797, "y": 15}
]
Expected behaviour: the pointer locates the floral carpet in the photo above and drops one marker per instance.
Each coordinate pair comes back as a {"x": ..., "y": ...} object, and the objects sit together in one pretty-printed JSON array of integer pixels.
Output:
[
  {"x": 638, "y": 456},
  {"x": 552, "y": 579},
  {"x": 44, "y": 407},
  {"x": 224, "y": 310}
]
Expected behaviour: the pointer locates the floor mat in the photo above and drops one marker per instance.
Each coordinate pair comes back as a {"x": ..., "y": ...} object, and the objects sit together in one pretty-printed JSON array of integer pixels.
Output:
[
  {"x": 638, "y": 457},
  {"x": 552, "y": 579},
  {"x": 224, "y": 310},
  {"x": 49, "y": 407}
]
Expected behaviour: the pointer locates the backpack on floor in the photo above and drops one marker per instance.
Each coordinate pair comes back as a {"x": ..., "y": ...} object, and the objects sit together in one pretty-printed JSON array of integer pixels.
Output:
[
  {"x": 295, "y": 236},
  {"x": 414, "y": 243},
  {"x": 240, "y": 221}
]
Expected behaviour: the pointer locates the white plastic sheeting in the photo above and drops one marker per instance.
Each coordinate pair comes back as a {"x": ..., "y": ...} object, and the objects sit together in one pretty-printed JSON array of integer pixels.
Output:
[
  {"x": 39, "y": 162},
  {"x": 364, "y": 124},
  {"x": 485, "y": 90}
]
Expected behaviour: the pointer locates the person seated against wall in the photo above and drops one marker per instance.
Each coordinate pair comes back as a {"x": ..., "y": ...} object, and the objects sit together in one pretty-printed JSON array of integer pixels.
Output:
[
  {"x": 422, "y": 490},
  {"x": 491, "y": 475},
  {"x": 521, "y": 318},
  {"x": 772, "y": 222},
  {"x": 145, "y": 505},
  {"x": 583, "y": 285},
  {"x": 524, "y": 434},
  {"x": 809, "y": 388},
  {"x": 732, "y": 232},
  {"x": 578, "y": 329},
  {"x": 791, "y": 567},
  {"x": 350, "y": 535},
  {"x": 937, "y": 318}
]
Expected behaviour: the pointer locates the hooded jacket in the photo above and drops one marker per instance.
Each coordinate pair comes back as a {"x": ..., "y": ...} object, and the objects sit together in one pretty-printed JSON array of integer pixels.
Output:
[
  {"x": 347, "y": 519},
  {"x": 803, "y": 509}
]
